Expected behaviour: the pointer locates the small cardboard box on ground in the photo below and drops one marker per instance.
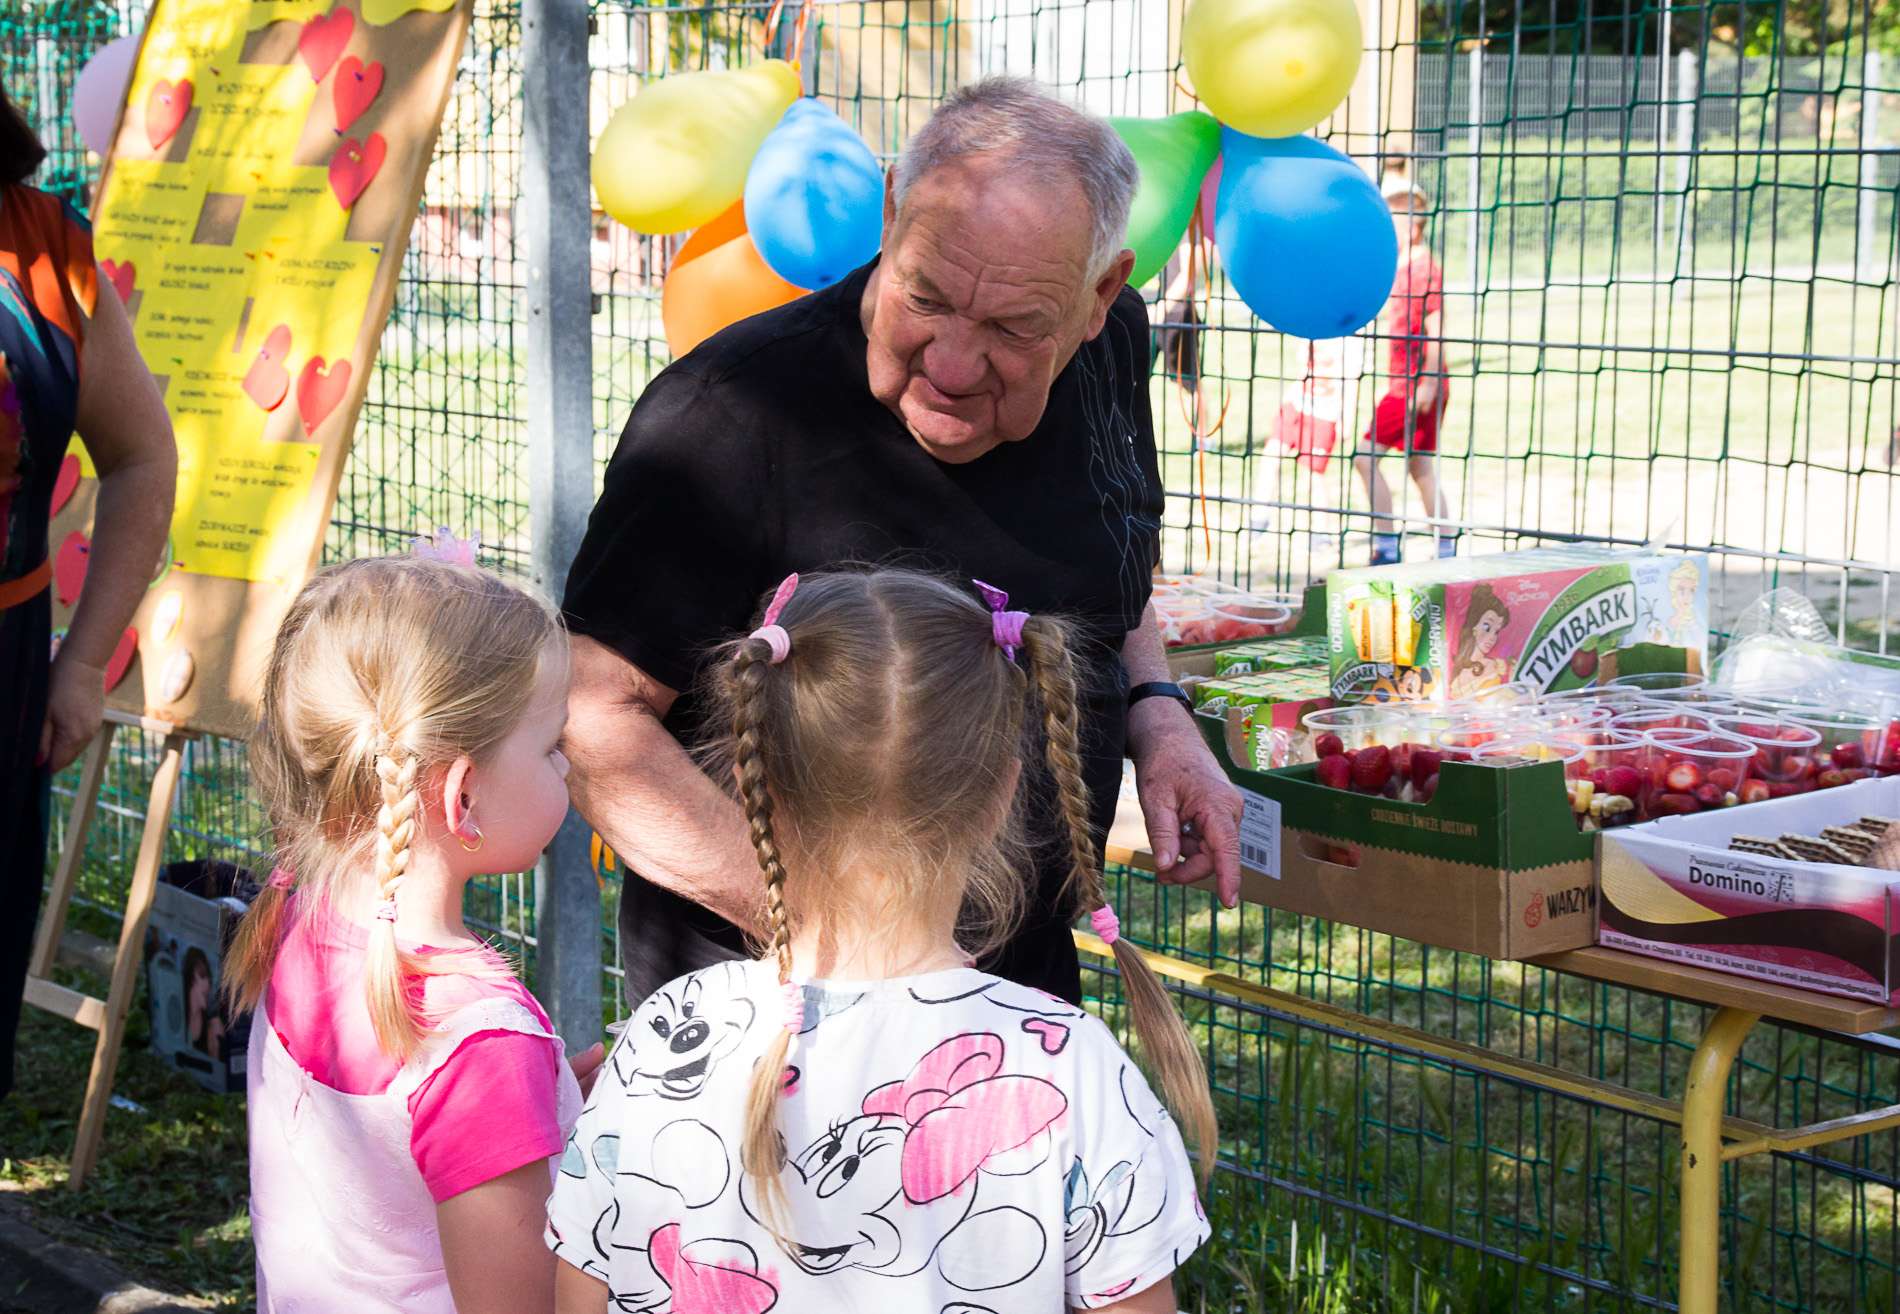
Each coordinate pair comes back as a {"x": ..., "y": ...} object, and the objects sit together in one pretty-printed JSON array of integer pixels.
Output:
[
  {"x": 1673, "y": 889},
  {"x": 1492, "y": 865},
  {"x": 195, "y": 911}
]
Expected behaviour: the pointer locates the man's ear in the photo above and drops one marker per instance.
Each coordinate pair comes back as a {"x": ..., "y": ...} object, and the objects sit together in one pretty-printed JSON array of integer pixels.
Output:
[
  {"x": 890, "y": 205},
  {"x": 1107, "y": 288}
]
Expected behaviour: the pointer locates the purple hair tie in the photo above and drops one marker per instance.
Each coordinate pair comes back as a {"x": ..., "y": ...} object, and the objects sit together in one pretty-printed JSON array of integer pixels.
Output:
[
  {"x": 1108, "y": 927},
  {"x": 769, "y": 629},
  {"x": 1006, "y": 627},
  {"x": 282, "y": 878}
]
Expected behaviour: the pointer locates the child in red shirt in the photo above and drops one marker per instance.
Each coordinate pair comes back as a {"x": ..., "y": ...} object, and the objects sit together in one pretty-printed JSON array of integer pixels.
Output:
[{"x": 1406, "y": 418}]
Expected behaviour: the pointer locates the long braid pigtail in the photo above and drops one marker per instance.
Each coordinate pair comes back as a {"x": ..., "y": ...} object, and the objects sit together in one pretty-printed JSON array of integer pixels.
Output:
[
  {"x": 398, "y": 1031},
  {"x": 1163, "y": 1035},
  {"x": 762, "y": 1151}
]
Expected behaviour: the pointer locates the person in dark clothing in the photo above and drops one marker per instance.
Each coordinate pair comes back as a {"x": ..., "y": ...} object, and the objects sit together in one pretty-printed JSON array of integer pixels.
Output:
[
  {"x": 973, "y": 403},
  {"x": 67, "y": 361}
]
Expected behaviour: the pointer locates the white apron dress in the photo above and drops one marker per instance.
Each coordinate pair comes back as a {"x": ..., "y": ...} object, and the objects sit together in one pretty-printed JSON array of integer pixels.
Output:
[{"x": 340, "y": 1215}]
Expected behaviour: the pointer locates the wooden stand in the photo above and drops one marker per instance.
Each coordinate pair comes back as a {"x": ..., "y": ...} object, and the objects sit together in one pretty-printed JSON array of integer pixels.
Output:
[{"x": 106, "y": 1016}]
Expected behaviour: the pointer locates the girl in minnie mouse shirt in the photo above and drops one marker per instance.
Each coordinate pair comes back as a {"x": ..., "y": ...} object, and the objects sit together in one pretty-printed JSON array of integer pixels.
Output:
[{"x": 861, "y": 1121}]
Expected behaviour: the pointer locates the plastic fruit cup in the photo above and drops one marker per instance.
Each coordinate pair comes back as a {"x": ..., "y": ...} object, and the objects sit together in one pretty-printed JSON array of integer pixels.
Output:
[
  {"x": 1574, "y": 715},
  {"x": 1597, "y": 695},
  {"x": 1602, "y": 773},
  {"x": 1785, "y": 753},
  {"x": 1651, "y": 682},
  {"x": 1690, "y": 771},
  {"x": 1508, "y": 751},
  {"x": 1513, "y": 694},
  {"x": 1646, "y": 716},
  {"x": 1245, "y": 618},
  {"x": 1357, "y": 728},
  {"x": 1850, "y": 738}
]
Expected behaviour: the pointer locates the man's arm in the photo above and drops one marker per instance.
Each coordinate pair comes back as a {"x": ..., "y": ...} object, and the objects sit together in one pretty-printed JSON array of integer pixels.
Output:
[
  {"x": 1177, "y": 778},
  {"x": 1431, "y": 366},
  {"x": 636, "y": 786}
]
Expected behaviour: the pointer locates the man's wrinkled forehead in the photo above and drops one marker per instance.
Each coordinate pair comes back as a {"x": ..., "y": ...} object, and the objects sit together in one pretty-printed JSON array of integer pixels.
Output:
[{"x": 972, "y": 231}]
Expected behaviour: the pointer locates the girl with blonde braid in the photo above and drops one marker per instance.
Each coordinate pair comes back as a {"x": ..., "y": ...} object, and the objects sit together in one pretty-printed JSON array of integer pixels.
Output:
[
  {"x": 406, "y": 1093},
  {"x": 860, "y": 1120}
]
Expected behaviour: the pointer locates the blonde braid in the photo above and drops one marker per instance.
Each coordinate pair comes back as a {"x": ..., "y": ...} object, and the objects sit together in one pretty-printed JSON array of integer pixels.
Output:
[
  {"x": 397, "y": 1031},
  {"x": 762, "y": 1152},
  {"x": 1164, "y": 1037}
]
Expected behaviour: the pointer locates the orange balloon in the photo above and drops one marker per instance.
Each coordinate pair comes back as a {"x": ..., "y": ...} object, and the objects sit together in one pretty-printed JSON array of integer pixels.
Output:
[{"x": 718, "y": 278}]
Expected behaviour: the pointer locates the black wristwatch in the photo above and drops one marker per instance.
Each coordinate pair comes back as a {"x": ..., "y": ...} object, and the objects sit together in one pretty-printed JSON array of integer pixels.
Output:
[{"x": 1161, "y": 689}]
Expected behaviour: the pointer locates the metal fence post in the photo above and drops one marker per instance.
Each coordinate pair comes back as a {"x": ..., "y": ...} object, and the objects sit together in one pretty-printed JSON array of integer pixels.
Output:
[
  {"x": 556, "y": 214},
  {"x": 1872, "y": 262}
]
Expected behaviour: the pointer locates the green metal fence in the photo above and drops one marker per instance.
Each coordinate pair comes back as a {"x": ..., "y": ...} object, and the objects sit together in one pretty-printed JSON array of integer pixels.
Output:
[{"x": 1669, "y": 237}]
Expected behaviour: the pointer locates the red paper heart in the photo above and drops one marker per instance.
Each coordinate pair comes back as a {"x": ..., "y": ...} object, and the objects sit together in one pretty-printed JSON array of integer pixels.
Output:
[
  {"x": 323, "y": 39},
  {"x": 123, "y": 275},
  {"x": 355, "y": 88},
  {"x": 267, "y": 382},
  {"x": 319, "y": 392},
  {"x": 64, "y": 483},
  {"x": 166, "y": 105},
  {"x": 69, "y": 568},
  {"x": 353, "y": 165},
  {"x": 121, "y": 660}
]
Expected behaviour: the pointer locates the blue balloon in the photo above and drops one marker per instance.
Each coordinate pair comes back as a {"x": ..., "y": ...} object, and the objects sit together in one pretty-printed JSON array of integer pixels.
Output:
[
  {"x": 1304, "y": 236},
  {"x": 814, "y": 197}
]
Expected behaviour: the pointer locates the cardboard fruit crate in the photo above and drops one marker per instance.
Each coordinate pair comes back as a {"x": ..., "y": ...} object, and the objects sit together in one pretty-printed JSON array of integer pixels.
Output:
[{"x": 1493, "y": 864}]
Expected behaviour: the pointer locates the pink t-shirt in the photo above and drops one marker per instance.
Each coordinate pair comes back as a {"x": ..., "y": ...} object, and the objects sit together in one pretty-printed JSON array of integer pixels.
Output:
[{"x": 488, "y": 1109}]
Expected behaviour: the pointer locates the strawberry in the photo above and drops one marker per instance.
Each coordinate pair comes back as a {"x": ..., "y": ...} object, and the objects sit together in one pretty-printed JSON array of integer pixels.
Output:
[
  {"x": 1402, "y": 760},
  {"x": 1795, "y": 766},
  {"x": 1427, "y": 787},
  {"x": 1792, "y": 733},
  {"x": 1848, "y": 756},
  {"x": 1622, "y": 780},
  {"x": 1754, "y": 791},
  {"x": 1783, "y": 788},
  {"x": 1675, "y": 805},
  {"x": 1425, "y": 764},
  {"x": 1682, "y": 777},
  {"x": 1335, "y": 772},
  {"x": 1723, "y": 778},
  {"x": 1328, "y": 745},
  {"x": 1830, "y": 779},
  {"x": 1857, "y": 773},
  {"x": 1372, "y": 767},
  {"x": 1709, "y": 794},
  {"x": 1600, "y": 780}
]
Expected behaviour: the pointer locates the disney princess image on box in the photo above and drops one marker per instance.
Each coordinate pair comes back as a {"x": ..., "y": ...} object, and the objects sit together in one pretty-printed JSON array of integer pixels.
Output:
[{"x": 1476, "y": 664}]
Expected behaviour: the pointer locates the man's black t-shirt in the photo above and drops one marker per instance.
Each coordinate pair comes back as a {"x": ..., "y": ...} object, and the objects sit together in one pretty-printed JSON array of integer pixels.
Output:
[{"x": 763, "y": 452}]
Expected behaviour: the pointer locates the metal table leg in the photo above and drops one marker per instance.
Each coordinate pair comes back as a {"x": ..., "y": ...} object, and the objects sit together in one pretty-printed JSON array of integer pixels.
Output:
[{"x": 1700, "y": 1255}]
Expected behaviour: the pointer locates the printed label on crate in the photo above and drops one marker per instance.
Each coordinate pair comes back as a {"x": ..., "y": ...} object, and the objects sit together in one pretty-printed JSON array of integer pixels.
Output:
[{"x": 1260, "y": 833}]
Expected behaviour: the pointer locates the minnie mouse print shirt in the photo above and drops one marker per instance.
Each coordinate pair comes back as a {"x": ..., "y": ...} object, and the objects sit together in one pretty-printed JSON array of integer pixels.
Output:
[{"x": 955, "y": 1144}]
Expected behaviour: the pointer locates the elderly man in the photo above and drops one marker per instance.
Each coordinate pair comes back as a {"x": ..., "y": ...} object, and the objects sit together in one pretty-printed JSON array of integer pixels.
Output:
[{"x": 974, "y": 402}]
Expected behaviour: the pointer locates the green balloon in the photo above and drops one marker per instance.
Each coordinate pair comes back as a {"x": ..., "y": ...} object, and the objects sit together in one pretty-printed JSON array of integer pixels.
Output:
[{"x": 1174, "y": 154}]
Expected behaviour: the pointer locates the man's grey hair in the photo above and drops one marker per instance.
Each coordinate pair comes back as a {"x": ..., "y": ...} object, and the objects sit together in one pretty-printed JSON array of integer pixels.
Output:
[{"x": 1043, "y": 139}]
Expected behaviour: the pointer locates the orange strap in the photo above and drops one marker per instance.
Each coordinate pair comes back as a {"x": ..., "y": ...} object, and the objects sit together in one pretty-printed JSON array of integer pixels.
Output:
[{"x": 27, "y": 587}]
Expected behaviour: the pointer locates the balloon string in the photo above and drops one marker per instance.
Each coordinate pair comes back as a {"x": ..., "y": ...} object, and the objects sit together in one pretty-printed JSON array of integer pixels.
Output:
[{"x": 798, "y": 28}]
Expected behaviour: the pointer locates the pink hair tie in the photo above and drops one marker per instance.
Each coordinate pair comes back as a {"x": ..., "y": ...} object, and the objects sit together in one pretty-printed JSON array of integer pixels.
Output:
[
  {"x": 769, "y": 629},
  {"x": 1107, "y": 925},
  {"x": 386, "y": 911},
  {"x": 1006, "y": 627},
  {"x": 282, "y": 878},
  {"x": 793, "y": 996}
]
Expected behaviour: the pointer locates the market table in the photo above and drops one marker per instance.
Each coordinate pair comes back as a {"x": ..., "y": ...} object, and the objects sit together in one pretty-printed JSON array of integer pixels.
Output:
[{"x": 1709, "y": 1138}]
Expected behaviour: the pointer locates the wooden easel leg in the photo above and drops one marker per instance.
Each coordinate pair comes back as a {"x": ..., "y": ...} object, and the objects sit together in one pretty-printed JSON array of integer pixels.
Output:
[
  {"x": 138, "y": 906},
  {"x": 66, "y": 875}
]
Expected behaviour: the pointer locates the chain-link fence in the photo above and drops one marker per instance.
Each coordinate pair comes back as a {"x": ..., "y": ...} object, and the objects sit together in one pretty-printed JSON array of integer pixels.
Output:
[{"x": 1671, "y": 315}]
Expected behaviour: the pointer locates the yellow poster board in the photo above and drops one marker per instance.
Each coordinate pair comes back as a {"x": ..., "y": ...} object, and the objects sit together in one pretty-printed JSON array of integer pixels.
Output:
[{"x": 252, "y": 216}]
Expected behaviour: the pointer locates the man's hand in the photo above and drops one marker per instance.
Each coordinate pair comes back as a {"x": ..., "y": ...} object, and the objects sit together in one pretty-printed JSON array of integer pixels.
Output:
[
  {"x": 1192, "y": 810},
  {"x": 586, "y": 1066},
  {"x": 75, "y": 706}
]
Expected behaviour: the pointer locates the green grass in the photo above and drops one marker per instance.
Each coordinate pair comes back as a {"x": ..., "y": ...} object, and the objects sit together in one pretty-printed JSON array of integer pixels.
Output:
[{"x": 167, "y": 1201}]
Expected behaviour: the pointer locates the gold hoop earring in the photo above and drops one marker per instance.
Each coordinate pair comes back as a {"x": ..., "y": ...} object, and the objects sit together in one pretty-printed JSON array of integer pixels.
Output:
[{"x": 471, "y": 848}]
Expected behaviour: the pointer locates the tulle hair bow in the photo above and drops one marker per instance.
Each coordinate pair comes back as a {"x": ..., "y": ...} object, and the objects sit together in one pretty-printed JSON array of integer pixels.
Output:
[
  {"x": 1006, "y": 627},
  {"x": 445, "y": 546},
  {"x": 770, "y": 630}
]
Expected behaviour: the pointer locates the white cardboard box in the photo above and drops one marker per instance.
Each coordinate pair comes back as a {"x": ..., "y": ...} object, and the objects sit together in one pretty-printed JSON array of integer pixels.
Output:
[{"x": 1672, "y": 888}]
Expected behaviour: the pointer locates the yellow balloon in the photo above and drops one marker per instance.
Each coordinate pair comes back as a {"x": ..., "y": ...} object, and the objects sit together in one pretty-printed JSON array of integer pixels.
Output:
[
  {"x": 676, "y": 154},
  {"x": 1271, "y": 68}
]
